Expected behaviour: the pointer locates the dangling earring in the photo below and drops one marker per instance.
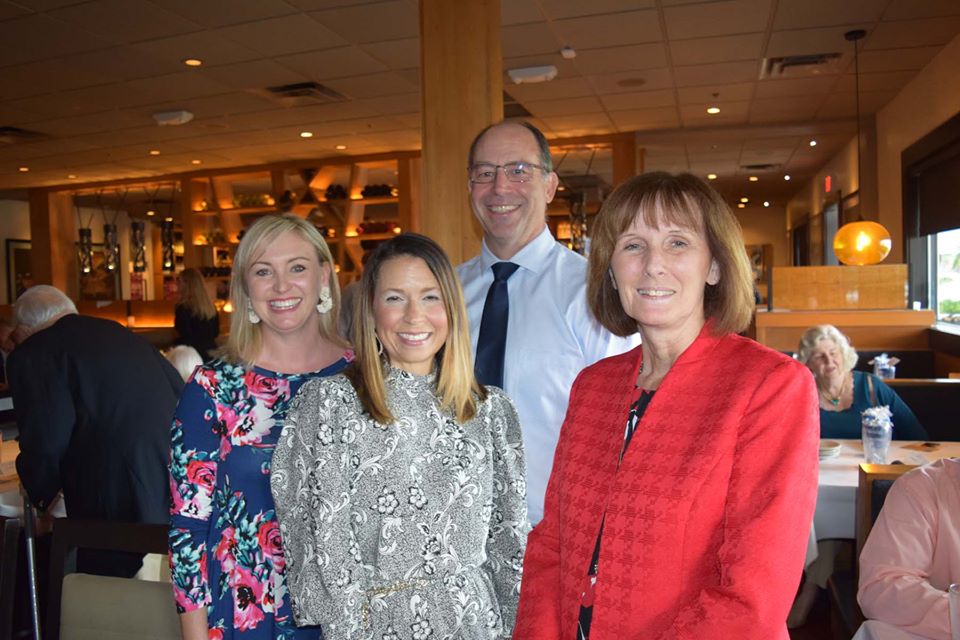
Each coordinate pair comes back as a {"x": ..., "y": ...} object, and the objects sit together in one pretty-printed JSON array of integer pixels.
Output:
[
  {"x": 379, "y": 345},
  {"x": 326, "y": 300},
  {"x": 251, "y": 314}
]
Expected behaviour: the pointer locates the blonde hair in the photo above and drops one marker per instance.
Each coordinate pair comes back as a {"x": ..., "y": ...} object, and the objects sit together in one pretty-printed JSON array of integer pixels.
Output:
[
  {"x": 686, "y": 201},
  {"x": 814, "y": 335},
  {"x": 193, "y": 294},
  {"x": 244, "y": 344},
  {"x": 457, "y": 387}
]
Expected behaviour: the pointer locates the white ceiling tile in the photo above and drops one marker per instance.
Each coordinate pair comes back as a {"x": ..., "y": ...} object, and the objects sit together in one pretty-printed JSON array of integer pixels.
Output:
[
  {"x": 343, "y": 62},
  {"x": 396, "y": 54},
  {"x": 825, "y": 13},
  {"x": 256, "y": 74},
  {"x": 716, "y": 93},
  {"x": 218, "y": 13},
  {"x": 625, "y": 81},
  {"x": 732, "y": 111},
  {"x": 519, "y": 11},
  {"x": 37, "y": 37},
  {"x": 873, "y": 81},
  {"x": 721, "y": 73},
  {"x": 10, "y": 10},
  {"x": 907, "y": 9},
  {"x": 283, "y": 35},
  {"x": 409, "y": 120},
  {"x": 800, "y": 42},
  {"x": 321, "y": 5},
  {"x": 792, "y": 109},
  {"x": 646, "y": 119},
  {"x": 176, "y": 86},
  {"x": 639, "y": 100},
  {"x": 393, "y": 105},
  {"x": 721, "y": 49},
  {"x": 373, "y": 22},
  {"x": 558, "y": 9},
  {"x": 614, "y": 59},
  {"x": 553, "y": 90},
  {"x": 372, "y": 86},
  {"x": 843, "y": 105},
  {"x": 631, "y": 27},
  {"x": 124, "y": 63},
  {"x": 565, "y": 107},
  {"x": 896, "y": 59},
  {"x": 716, "y": 18},
  {"x": 531, "y": 39},
  {"x": 770, "y": 88},
  {"x": 123, "y": 21},
  {"x": 211, "y": 48},
  {"x": 913, "y": 33},
  {"x": 585, "y": 124}
]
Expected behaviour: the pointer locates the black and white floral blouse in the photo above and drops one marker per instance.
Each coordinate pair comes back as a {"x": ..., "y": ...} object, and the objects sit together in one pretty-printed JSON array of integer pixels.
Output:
[{"x": 410, "y": 530}]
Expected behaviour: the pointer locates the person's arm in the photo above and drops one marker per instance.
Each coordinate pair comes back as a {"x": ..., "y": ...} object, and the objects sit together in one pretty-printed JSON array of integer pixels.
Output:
[
  {"x": 905, "y": 423},
  {"x": 43, "y": 404},
  {"x": 897, "y": 559},
  {"x": 538, "y": 613},
  {"x": 507, "y": 532},
  {"x": 768, "y": 512},
  {"x": 194, "y": 456},
  {"x": 310, "y": 483}
]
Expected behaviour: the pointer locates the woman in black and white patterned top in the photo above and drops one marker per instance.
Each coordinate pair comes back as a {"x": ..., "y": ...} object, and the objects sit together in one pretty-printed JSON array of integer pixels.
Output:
[{"x": 400, "y": 484}]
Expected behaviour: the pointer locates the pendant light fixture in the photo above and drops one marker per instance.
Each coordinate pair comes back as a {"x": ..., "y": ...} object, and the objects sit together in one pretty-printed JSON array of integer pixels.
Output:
[
  {"x": 863, "y": 242},
  {"x": 85, "y": 240}
]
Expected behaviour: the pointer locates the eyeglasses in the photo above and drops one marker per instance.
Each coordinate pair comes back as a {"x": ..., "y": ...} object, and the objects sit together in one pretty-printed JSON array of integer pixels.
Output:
[{"x": 485, "y": 173}]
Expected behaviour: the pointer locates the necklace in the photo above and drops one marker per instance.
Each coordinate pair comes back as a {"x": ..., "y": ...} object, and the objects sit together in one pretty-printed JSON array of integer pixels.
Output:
[{"x": 835, "y": 400}]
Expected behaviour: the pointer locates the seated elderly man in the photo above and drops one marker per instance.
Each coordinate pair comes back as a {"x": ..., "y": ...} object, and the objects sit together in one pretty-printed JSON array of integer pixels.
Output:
[
  {"x": 93, "y": 403},
  {"x": 913, "y": 552}
]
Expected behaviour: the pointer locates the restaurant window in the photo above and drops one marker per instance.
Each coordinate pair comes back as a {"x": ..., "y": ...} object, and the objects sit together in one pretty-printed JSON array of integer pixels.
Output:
[{"x": 947, "y": 292}]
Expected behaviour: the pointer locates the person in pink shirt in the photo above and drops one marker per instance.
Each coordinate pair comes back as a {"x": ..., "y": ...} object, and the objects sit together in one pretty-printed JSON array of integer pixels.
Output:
[{"x": 913, "y": 552}]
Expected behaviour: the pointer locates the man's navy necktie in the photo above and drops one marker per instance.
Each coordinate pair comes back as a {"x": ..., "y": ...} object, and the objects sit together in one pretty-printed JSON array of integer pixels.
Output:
[{"x": 492, "y": 341}]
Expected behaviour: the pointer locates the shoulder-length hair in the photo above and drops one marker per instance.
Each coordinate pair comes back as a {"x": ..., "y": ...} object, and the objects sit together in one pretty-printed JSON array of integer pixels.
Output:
[
  {"x": 686, "y": 201},
  {"x": 456, "y": 385},
  {"x": 812, "y": 336},
  {"x": 244, "y": 344},
  {"x": 193, "y": 294}
]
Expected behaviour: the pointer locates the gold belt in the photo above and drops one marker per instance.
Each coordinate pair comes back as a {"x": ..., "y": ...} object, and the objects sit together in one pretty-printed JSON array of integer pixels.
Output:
[{"x": 386, "y": 590}]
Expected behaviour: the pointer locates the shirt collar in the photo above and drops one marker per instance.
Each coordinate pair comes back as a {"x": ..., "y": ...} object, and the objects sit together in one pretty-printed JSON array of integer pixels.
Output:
[{"x": 532, "y": 257}]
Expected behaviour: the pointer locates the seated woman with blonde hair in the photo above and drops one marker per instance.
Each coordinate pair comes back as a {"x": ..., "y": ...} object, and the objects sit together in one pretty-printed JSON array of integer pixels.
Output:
[{"x": 845, "y": 393}]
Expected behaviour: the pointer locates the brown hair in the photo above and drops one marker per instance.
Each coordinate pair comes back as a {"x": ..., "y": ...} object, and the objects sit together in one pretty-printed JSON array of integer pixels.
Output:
[
  {"x": 456, "y": 385},
  {"x": 243, "y": 345},
  {"x": 193, "y": 294},
  {"x": 686, "y": 201}
]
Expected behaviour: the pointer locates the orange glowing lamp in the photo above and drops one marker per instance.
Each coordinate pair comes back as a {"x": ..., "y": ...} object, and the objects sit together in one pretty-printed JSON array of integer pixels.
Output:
[{"x": 862, "y": 242}]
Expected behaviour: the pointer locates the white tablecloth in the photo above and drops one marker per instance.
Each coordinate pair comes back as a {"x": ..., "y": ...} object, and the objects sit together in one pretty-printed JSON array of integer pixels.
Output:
[
  {"x": 876, "y": 630},
  {"x": 837, "y": 495}
]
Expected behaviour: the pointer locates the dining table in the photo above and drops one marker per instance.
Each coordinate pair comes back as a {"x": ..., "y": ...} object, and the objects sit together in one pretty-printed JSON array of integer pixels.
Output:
[{"x": 835, "y": 514}]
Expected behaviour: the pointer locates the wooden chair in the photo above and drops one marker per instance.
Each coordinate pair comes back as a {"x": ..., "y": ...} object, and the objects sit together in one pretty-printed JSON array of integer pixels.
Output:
[
  {"x": 151, "y": 603},
  {"x": 873, "y": 485}
]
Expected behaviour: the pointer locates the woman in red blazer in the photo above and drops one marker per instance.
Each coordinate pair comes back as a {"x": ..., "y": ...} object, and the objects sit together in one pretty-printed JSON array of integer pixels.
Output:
[{"x": 684, "y": 481}]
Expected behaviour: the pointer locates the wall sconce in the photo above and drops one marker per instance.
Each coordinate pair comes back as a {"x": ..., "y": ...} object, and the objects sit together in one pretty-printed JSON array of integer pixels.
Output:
[
  {"x": 85, "y": 250},
  {"x": 111, "y": 247},
  {"x": 166, "y": 242}
]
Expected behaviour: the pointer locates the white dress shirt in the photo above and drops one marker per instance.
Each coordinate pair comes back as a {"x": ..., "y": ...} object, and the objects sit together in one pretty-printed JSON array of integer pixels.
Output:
[{"x": 551, "y": 336}]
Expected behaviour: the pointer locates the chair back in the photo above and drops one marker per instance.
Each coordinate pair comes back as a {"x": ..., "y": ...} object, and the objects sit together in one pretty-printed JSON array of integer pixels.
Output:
[
  {"x": 874, "y": 483},
  {"x": 9, "y": 550},
  {"x": 83, "y": 606}
]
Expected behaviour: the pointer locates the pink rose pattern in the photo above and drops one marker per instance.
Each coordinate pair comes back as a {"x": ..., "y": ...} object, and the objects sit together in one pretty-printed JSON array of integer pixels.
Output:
[{"x": 226, "y": 553}]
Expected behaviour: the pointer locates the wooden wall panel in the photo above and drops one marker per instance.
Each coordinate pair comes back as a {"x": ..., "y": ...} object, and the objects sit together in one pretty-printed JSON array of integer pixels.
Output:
[{"x": 882, "y": 286}]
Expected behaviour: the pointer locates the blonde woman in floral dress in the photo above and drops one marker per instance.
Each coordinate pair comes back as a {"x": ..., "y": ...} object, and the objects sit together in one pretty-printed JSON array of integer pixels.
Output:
[
  {"x": 227, "y": 563},
  {"x": 400, "y": 484}
]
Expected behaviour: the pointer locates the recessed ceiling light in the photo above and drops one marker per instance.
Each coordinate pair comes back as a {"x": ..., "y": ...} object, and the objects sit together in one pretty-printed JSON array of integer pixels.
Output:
[
  {"x": 561, "y": 188},
  {"x": 154, "y": 152},
  {"x": 168, "y": 219},
  {"x": 193, "y": 62},
  {"x": 306, "y": 134},
  {"x": 740, "y": 205},
  {"x": 766, "y": 203},
  {"x": 753, "y": 178},
  {"x": 711, "y": 176},
  {"x": 24, "y": 169},
  {"x": 813, "y": 143},
  {"x": 151, "y": 212},
  {"x": 787, "y": 178},
  {"x": 744, "y": 199},
  {"x": 196, "y": 161},
  {"x": 71, "y": 177},
  {"x": 713, "y": 110},
  {"x": 340, "y": 147}
]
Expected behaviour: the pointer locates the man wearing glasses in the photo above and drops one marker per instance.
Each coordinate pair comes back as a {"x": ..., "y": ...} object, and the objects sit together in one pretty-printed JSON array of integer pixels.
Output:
[{"x": 530, "y": 327}]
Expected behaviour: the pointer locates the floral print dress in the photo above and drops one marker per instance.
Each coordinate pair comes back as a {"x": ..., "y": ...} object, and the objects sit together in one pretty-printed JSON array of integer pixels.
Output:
[
  {"x": 409, "y": 531},
  {"x": 225, "y": 548}
]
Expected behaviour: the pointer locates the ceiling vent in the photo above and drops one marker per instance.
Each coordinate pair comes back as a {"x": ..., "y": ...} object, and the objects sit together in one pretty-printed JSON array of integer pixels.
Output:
[
  {"x": 300, "y": 94},
  {"x": 15, "y": 135},
  {"x": 760, "y": 168},
  {"x": 799, "y": 66},
  {"x": 513, "y": 109}
]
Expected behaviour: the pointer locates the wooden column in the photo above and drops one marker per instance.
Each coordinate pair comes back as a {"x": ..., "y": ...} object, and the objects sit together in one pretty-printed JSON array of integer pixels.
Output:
[
  {"x": 408, "y": 186},
  {"x": 53, "y": 236},
  {"x": 627, "y": 158},
  {"x": 461, "y": 74}
]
